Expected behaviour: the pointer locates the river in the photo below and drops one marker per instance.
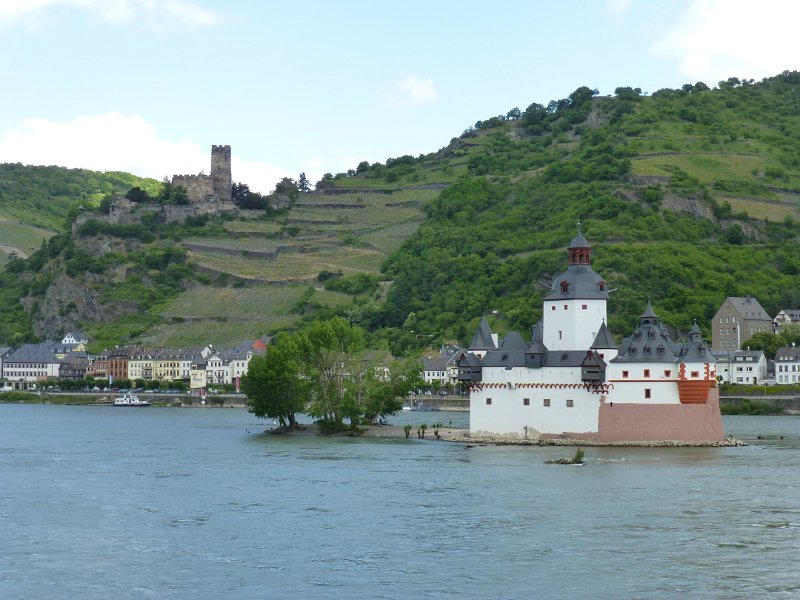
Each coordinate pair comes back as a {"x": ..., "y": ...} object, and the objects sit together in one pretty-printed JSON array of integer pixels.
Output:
[{"x": 103, "y": 502}]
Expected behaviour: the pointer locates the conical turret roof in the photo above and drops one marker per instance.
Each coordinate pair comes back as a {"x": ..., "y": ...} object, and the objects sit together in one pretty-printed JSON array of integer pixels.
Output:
[
  {"x": 482, "y": 340},
  {"x": 604, "y": 339}
]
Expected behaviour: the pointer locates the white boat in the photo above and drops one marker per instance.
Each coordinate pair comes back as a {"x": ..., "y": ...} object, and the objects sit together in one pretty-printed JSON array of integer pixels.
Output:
[{"x": 130, "y": 399}]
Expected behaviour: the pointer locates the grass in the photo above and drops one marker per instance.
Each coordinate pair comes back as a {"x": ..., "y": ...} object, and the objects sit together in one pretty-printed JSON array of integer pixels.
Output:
[
  {"x": 25, "y": 237},
  {"x": 220, "y": 334},
  {"x": 255, "y": 302},
  {"x": 295, "y": 267},
  {"x": 772, "y": 211},
  {"x": 236, "y": 243},
  {"x": 263, "y": 227}
]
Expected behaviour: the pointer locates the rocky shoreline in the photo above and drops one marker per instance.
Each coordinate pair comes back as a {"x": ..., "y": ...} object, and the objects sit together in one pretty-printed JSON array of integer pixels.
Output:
[
  {"x": 462, "y": 436},
  {"x": 725, "y": 443}
]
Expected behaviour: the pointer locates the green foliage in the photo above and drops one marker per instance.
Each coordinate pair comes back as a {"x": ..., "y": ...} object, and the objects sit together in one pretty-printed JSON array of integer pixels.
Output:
[
  {"x": 788, "y": 335},
  {"x": 751, "y": 406},
  {"x": 324, "y": 370},
  {"x": 274, "y": 384},
  {"x": 44, "y": 196},
  {"x": 359, "y": 283}
]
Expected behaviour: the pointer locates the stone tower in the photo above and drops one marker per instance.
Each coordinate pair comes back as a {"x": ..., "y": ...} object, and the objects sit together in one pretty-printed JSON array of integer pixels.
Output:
[{"x": 221, "y": 172}]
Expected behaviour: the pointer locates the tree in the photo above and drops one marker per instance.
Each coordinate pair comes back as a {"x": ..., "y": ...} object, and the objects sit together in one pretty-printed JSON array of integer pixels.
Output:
[
  {"x": 274, "y": 384},
  {"x": 239, "y": 192},
  {"x": 137, "y": 194},
  {"x": 179, "y": 196},
  {"x": 303, "y": 184},
  {"x": 387, "y": 386},
  {"x": 332, "y": 353}
]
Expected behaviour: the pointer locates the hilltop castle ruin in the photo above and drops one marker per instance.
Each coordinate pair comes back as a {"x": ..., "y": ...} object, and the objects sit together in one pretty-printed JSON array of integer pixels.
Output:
[{"x": 213, "y": 187}]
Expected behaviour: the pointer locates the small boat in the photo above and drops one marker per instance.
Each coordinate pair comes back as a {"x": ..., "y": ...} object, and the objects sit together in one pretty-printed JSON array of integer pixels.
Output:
[{"x": 130, "y": 399}]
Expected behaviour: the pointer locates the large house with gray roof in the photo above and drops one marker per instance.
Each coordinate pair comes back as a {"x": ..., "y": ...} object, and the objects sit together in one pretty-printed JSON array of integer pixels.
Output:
[
  {"x": 571, "y": 379},
  {"x": 736, "y": 321}
]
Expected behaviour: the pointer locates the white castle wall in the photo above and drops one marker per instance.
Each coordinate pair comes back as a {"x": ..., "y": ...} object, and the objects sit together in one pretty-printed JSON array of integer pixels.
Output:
[{"x": 572, "y": 324}]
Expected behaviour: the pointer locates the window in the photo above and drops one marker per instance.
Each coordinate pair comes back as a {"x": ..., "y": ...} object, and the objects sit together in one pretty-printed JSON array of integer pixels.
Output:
[
  {"x": 560, "y": 335},
  {"x": 546, "y": 402},
  {"x": 488, "y": 402},
  {"x": 647, "y": 372},
  {"x": 647, "y": 393},
  {"x": 647, "y": 350},
  {"x": 526, "y": 402},
  {"x": 566, "y": 307},
  {"x": 632, "y": 351},
  {"x": 564, "y": 287},
  {"x": 553, "y": 307},
  {"x": 695, "y": 373},
  {"x": 624, "y": 374},
  {"x": 570, "y": 403},
  {"x": 667, "y": 373},
  {"x": 584, "y": 307}
]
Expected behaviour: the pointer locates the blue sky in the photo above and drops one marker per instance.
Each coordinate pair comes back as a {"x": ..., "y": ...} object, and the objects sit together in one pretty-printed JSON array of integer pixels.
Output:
[{"x": 147, "y": 86}]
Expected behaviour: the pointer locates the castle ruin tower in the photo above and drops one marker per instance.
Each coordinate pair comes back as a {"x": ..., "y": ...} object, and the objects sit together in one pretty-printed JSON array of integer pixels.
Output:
[{"x": 221, "y": 172}]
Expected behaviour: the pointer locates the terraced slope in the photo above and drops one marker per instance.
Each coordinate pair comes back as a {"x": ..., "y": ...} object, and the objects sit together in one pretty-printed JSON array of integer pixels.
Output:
[{"x": 262, "y": 275}]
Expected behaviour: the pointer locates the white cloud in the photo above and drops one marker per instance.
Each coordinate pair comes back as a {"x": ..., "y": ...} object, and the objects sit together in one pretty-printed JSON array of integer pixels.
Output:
[
  {"x": 259, "y": 176},
  {"x": 158, "y": 14},
  {"x": 618, "y": 6},
  {"x": 718, "y": 39},
  {"x": 115, "y": 142},
  {"x": 411, "y": 91}
]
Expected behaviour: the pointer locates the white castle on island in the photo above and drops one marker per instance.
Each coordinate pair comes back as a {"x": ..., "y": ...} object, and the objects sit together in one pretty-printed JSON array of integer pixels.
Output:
[{"x": 572, "y": 381}]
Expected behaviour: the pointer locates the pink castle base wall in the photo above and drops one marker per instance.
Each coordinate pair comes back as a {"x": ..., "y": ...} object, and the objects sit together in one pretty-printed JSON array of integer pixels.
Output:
[{"x": 656, "y": 422}]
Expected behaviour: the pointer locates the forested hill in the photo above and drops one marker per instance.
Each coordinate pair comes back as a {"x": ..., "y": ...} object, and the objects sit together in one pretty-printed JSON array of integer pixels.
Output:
[{"x": 688, "y": 196}]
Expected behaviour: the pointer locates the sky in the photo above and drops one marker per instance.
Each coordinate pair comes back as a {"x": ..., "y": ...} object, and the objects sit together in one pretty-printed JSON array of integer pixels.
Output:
[{"x": 147, "y": 86}]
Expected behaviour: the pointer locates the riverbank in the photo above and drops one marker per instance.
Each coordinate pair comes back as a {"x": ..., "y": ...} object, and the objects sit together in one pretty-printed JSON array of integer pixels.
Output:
[{"x": 462, "y": 436}]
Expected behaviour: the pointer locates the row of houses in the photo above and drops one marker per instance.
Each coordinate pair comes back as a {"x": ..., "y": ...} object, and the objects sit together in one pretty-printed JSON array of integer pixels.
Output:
[{"x": 199, "y": 367}]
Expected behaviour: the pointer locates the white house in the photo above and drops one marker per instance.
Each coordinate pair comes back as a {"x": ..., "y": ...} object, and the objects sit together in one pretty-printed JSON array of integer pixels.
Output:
[
  {"x": 76, "y": 337},
  {"x": 787, "y": 365},
  {"x": 745, "y": 367},
  {"x": 30, "y": 363}
]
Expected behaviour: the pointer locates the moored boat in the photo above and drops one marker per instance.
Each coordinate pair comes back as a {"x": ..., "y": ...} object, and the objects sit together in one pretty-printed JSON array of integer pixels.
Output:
[{"x": 130, "y": 399}]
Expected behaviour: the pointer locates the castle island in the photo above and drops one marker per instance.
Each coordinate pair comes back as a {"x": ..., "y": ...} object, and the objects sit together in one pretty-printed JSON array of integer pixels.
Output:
[{"x": 572, "y": 381}]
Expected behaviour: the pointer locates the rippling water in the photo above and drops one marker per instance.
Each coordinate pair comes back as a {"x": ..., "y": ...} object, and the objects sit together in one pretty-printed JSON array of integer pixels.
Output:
[{"x": 98, "y": 502}]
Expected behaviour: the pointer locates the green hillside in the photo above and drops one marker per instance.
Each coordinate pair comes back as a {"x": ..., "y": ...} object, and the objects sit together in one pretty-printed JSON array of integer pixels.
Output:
[{"x": 688, "y": 196}]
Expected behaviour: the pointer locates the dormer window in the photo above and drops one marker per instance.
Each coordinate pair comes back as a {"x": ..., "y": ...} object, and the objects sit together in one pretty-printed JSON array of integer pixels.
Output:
[
  {"x": 651, "y": 335},
  {"x": 660, "y": 350},
  {"x": 564, "y": 287},
  {"x": 601, "y": 286},
  {"x": 647, "y": 350},
  {"x": 633, "y": 351}
]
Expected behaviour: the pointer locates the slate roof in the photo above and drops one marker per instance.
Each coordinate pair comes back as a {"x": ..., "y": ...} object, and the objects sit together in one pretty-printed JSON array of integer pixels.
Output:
[
  {"x": 482, "y": 340},
  {"x": 579, "y": 241},
  {"x": 650, "y": 342},
  {"x": 537, "y": 345},
  {"x": 513, "y": 342},
  {"x": 787, "y": 353},
  {"x": 436, "y": 363},
  {"x": 695, "y": 349},
  {"x": 581, "y": 282},
  {"x": 34, "y": 353},
  {"x": 748, "y": 308},
  {"x": 604, "y": 339}
]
